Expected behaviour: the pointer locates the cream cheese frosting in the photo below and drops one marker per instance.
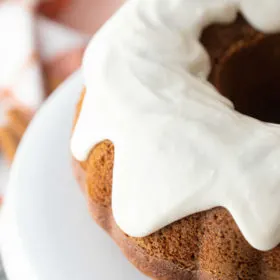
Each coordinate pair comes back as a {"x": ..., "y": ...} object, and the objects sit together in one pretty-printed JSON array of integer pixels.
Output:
[{"x": 180, "y": 147}]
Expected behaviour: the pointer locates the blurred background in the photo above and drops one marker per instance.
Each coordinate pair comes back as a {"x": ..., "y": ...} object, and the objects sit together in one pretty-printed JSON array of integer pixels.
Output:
[{"x": 42, "y": 43}]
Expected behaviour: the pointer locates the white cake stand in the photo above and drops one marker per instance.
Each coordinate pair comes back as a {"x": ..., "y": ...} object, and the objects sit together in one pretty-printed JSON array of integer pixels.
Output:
[{"x": 46, "y": 230}]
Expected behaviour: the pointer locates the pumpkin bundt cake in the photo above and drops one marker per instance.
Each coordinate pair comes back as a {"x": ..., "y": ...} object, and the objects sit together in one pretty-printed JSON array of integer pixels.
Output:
[{"x": 176, "y": 137}]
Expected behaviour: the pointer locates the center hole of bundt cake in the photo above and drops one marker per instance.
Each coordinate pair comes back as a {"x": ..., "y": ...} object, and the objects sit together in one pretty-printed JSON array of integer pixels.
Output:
[
  {"x": 250, "y": 77},
  {"x": 246, "y": 68}
]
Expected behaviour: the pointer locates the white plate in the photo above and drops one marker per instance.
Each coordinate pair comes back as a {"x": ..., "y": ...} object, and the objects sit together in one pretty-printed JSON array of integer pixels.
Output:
[{"x": 47, "y": 232}]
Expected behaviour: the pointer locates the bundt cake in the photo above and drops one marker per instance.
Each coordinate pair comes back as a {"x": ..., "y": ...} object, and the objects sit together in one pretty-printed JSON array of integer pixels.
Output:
[{"x": 175, "y": 141}]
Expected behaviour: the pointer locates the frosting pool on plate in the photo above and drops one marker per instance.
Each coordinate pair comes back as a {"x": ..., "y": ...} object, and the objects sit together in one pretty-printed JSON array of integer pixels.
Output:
[{"x": 180, "y": 147}]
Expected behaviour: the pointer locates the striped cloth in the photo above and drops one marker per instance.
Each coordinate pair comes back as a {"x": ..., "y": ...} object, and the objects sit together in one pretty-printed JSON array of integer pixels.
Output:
[
  {"x": 36, "y": 55},
  {"x": 42, "y": 42},
  {"x": 31, "y": 64}
]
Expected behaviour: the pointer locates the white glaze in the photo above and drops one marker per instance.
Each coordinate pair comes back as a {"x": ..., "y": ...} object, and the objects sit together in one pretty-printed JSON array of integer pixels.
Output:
[{"x": 180, "y": 147}]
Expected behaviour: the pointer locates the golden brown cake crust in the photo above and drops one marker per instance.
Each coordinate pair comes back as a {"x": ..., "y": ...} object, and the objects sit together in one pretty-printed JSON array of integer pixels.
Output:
[
  {"x": 204, "y": 246},
  {"x": 148, "y": 264}
]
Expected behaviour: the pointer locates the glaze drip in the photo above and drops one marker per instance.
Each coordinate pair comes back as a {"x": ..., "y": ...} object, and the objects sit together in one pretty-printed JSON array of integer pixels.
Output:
[{"x": 180, "y": 147}]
